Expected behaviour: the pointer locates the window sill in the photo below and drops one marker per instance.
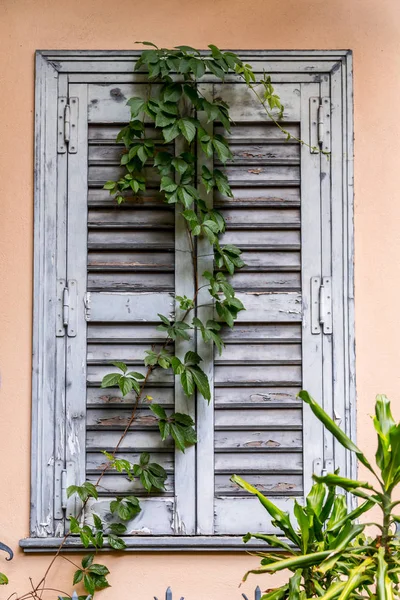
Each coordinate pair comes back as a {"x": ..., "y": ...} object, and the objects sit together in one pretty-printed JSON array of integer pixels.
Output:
[{"x": 152, "y": 544}]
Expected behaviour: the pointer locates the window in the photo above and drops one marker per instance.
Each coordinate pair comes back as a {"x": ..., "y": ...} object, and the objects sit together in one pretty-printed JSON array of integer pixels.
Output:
[{"x": 102, "y": 273}]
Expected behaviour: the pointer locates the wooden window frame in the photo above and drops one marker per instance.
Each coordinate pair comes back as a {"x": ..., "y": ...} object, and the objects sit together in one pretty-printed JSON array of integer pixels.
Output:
[{"x": 53, "y": 70}]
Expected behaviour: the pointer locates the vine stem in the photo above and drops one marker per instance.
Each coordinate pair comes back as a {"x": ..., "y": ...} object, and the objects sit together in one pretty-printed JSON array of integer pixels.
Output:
[{"x": 41, "y": 585}]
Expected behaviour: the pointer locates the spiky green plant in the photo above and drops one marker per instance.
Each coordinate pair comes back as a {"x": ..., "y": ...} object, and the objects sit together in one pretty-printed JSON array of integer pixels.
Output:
[{"x": 327, "y": 551}]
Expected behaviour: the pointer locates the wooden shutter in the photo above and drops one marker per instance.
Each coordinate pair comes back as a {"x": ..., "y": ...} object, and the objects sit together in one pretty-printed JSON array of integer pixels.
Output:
[{"x": 123, "y": 265}]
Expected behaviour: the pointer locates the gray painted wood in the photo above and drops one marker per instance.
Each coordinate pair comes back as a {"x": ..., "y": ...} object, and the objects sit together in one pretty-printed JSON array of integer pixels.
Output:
[
  {"x": 185, "y": 463},
  {"x": 311, "y": 266},
  {"x": 76, "y": 276},
  {"x": 44, "y": 371},
  {"x": 205, "y": 411}
]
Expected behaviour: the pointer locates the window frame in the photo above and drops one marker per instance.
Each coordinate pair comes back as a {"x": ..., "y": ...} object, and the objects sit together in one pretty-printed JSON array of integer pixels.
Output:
[{"x": 54, "y": 69}]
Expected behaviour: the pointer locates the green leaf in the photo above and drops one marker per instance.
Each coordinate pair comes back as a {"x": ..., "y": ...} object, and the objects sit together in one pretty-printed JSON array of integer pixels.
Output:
[
  {"x": 3, "y": 579},
  {"x": 304, "y": 524},
  {"x": 197, "y": 67},
  {"x": 178, "y": 434},
  {"x": 158, "y": 411},
  {"x": 294, "y": 585},
  {"x": 356, "y": 576},
  {"x": 78, "y": 576},
  {"x": 172, "y": 92},
  {"x": 276, "y": 594},
  {"x": 201, "y": 381},
  {"x": 171, "y": 132},
  {"x": 297, "y": 562},
  {"x": 117, "y": 528},
  {"x": 168, "y": 185},
  {"x": 88, "y": 584},
  {"x": 343, "y": 482},
  {"x": 87, "y": 560},
  {"x": 187, "y": 381},
  {"x": 280, "y": 517},
  {"x": 136, "y": 105},
  {"x": 331, "y": 426},
  {"x": 187, "y": 128},
  {"x": 97, "y": 521},
  {"x": 98, "y": 569},
  {"x": 272, "y": 540},
  {"x": 110, "y": 380}
]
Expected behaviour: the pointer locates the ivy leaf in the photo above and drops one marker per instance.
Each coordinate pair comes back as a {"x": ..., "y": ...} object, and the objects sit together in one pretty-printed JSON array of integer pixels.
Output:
[
  {"x": 116, "y": 542},
  {"x": 168, "y": 184},
  {"x": 222, "y": 149},
  {"x": 84, "y": 491},
  {"x": 201, "y": 381},
  {"x": 110, "y": 380},
  {"x": 78, "y": 576},
  {"x": 187, "y": 128},
  {"x": 87, "y": 560},
  {"x": 117, "y": 528},
  {"x": 197, "y": 67},
  {"x": 171, "y": 132},
  {"x": 126, "y": 508},
  {"x": 158, "y": 411},
  {"x": 88, "y": 584},
  {"x": 136, "y": 105},
  {"x": 172, "y": 92},
  {"x": 187, "y": 382}
]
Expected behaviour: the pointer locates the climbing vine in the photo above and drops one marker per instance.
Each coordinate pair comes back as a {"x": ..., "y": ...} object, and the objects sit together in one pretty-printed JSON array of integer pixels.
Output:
[{"x": 174, "y": 109}]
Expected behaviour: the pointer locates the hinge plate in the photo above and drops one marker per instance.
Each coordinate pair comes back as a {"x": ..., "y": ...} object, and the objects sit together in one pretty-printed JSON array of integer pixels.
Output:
[
  {"x": 321, "y": 305},
  {"x": 321, "y": 467},
  {"x": 320, "y": 124},
  {"x": 67, "y": 125},
  {"x": 66, "y": 313}
]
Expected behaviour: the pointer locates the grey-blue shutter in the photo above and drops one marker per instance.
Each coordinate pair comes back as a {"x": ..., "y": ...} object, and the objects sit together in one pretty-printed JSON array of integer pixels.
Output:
[{"x": 292, "y": 218}]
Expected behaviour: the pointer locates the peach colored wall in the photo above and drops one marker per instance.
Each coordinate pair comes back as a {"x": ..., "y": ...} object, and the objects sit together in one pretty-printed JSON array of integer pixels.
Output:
[{"x": 371, "y": 29}]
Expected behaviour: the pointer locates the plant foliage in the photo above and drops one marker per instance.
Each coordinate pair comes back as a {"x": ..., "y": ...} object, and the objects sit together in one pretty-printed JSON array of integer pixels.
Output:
[{"x": 327, "y": 551}]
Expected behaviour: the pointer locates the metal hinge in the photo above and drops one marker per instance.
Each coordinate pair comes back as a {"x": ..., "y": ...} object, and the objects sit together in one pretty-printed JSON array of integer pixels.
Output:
[
  {"x": 87, "y": 302},
  {"x": 67, "y": 295},
  {"x": 64, "y": 477},
  {"x": 322, "y": 468},
  {"x": 67, "y": 130},
  {"x": 320, "y": 124},
  {"x": 321, "y": 305}
]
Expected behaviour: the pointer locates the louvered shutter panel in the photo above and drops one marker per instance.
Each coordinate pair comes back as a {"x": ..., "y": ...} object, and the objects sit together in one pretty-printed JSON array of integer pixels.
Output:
[
  {"x": 123, "y": 265},
  {"x": 257, "y": 426},
  {"x": 131, "y": 260}
]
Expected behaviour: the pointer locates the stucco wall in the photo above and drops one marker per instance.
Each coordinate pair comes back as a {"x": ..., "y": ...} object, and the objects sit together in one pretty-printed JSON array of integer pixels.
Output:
[{"x": 371, "y": 28}]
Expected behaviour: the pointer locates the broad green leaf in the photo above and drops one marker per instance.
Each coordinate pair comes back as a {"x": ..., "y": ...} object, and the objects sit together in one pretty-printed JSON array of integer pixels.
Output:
[
  {"x": 352, "y": 516},
  {"x": 3, "y": 579},
  {"x": 158, "y": 410},
  {"x": 111, "y": 380},
  {"x": 87, "y": 560},
  {"x": 343, "y": 482},
  {"x": 172, "y": 92},
  {"x": 282, "y": 518},
  {"x": 187, "y": 382},
  {"x": 296, "y": 562},
  {"x": 187, "y": 128},
  {"x": 304, "y": 524},
  {"x": 136, "y": 105},
  {"x": 272, "y": 540},
  {"x": 294, "y": 585},
  {"x": 277, "y": 594},
  {"x": 78, "y": 576},
  {"x": 356, "y": 576},
  {"x": 88, "y": 584},
  {"x": 331, "y": 426},
  {"x": 116, "y": 542}
]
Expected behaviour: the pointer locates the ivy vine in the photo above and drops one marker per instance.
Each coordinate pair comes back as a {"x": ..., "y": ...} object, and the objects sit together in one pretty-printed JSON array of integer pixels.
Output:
[{"x": 173, "y": 110}]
